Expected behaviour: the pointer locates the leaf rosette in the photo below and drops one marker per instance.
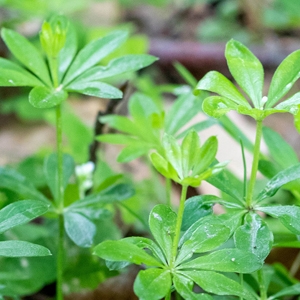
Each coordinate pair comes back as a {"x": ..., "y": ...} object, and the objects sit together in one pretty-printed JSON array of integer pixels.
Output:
[
  {"x": 247, "y": 71},
  {"x": 188, "y": 163}
]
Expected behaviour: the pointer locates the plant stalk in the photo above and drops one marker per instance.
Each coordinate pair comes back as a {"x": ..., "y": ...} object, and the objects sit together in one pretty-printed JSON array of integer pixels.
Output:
[
  {"x": 60, "y": 258},
  {"x": 242, "y": 283},
  {"x": 168, "y": 296},
  {"x": 256, "y": 153},
  {"x": 168, "y": 191},
  {"x": 178, "y": 224},
  {"x": 262, "y": 287},
  {"x": 53, "y": 63},
  {"x": 60, "y": 195},
  {"x": 60, "y": 204}
]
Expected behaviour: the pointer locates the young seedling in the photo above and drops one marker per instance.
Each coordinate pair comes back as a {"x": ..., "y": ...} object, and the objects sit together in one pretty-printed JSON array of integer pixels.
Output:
[{"x": 172, "y": 260}]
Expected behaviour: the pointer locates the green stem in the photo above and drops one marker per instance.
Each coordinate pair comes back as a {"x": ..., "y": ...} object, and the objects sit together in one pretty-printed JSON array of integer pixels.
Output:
[
  {"x": 262, "y": 287},
  {"x": 242, "y": 283},
  {"x": 60, "y": 258},
  {"x": 168, "y": 191},
  {"x": 178, "y": 223},
  {"x": 245, "y": 169},
  {"x": 60, "y": 204},
  {"x": 256, "y": 153},
  {"x": 60, "y": 195},
  {"x": 60, "y": 189},
  {"x": 168, "y": 296}
]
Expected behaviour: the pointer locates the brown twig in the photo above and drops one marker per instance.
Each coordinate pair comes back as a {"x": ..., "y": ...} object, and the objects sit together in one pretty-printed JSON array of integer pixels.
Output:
[
  {"x": 99, "y": 126},
  {"x": 200, "y": 58}
]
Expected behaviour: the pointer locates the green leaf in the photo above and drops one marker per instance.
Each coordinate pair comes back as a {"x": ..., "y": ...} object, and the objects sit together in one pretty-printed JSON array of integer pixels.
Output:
[
  {"x": 185, "y": 74},
  {"x": 114, "y": 193},
  {"x": 152, "y": 284},
  {"x": 26, "y": 53},
  {"x": 20, "y": 212},
  {"x": 288, "y": 291},
  {"x": 68, "y": 52},
  {"x": 163, "y": 167},
  {"x": 233, "y": 218},
  {"x": 173, "y": 154},
  {"x": 190, "y": 153},
  {"x": 217, "y": 83},
  {"x": 254, "y": 236},
  {"x": 93, "y": 52},
  {"x": 121, "y": 123},
  {"x": 225, "y": 260},
  {"x": 184, "y": 286},
  {"x": 95, "y": 88},
  {"x": 125, "y": 251},
  {"x": 198, "y": 127},
  {"x": 51, "y": 173},
  {"x": 217, "y": 107},
  {"x": 246, "y": 69},
  {"x": 20, "y": 249},
  {"x": 206, "y": 156},
  {"x": 145, "y": 243},
  {"x": 234, "y": 131},
  {"x": 204, "y": 235},
  {"x": 284, "y": 77},
  {"x": 14, "y": 181},
  {"x": 12, "y": 74},
  {"x": 117, "y": 139},
  {"x": 141, "y": 108},
  {"x": 290, "y": 104},
  {"x": 162, "y": 223},
  {"x": 182, "y": 111},
  {"x": 290, "y": 174},
  {"x": 268, "y": 168},
  {"x": 120, "y": 65},
  {"x": 44, "y": 97},
  {"x": 195, "y": 208},
  {"x": 218, "y": 284},
  {"x": 229, "y": 184},
  {"x": 279, "y": 149},
  {"x": 79, "y": 228},
  {"x": 297, "y": 121},
  {"x": 132, "y": 152},
  {"x": 288, "y": 215}
]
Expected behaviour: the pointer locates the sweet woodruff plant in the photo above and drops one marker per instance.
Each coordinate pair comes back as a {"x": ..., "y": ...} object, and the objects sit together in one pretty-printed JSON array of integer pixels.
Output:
[{"x": 190, "y": 252}]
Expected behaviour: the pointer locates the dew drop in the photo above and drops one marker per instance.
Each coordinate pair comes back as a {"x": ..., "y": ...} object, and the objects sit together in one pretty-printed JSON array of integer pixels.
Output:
[
  {"x": 293, "y": 110},
  {"x": 288, "y": 86}
]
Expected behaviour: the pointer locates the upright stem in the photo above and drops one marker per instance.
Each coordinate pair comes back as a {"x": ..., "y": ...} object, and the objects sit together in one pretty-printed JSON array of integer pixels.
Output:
[
  {"x": 242, "y": 283},
  {"x": 60, "y": 205},
  {"x": 60, "y": 185},
  {"x": 262, "y": 287},
  {"x": 168, "y": 191},
  {"x": 60, "y": 196},
  {"x": 254, "y": 169},
  {"x": 178, "y": 223},
  {"x": 60, "y": 258},
  {"x": 168, "y": 296}
]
